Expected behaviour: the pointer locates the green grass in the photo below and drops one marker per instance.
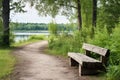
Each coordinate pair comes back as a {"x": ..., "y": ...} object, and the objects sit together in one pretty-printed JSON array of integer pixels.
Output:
[
  {"x": 7, "y": 62},
  {"x": 55, "y": 53}
]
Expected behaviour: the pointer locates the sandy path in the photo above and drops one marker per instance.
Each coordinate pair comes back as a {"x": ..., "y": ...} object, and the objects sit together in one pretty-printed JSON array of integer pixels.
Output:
[{"x": 33, "y": 64}]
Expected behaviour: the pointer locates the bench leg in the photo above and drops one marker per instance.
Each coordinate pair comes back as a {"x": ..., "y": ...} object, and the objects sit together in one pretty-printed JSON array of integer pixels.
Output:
[
  {"x": 72, "y": 62},
  {"x": 85, "y": 71},
  {"x": 80, "y": 70}
]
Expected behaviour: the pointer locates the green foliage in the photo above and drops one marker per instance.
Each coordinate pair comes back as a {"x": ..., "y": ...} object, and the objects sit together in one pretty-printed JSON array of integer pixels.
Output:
[
  {"x": 108, "y": 13},
  {"x": 53, "y": 28},
  {"x": 113, "y": 73},
  {"x": 101, "y": 37},
  {"x": 31, "y": 27},
  {"x": 66, "y": 42},
  {"x": 53, "y": 7},
  {"x": 115, "y": 46},
  {"x": 60, "y": 44},
  {"x": 28, "y": 26},
  {"x": 17, "y": 6},
  {"x": 110, "y": 41},
  {"x": 37, "y": 37},
  {"x": 86, "y": 8}
]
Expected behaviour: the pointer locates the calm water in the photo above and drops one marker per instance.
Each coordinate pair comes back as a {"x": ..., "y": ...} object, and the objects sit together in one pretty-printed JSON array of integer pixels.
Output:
[{"x": 21, "y": 36}]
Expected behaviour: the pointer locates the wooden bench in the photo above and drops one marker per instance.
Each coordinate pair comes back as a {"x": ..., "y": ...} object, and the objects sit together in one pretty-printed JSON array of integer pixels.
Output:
[{"x": 88, "y": 65}]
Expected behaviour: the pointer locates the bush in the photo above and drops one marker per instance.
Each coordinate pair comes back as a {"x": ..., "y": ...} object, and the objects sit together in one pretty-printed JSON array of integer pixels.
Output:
[
  {"x": 101, "y": 38},
  {"x": 53, "y": 28},
  {"x": 113, "y": 73},
  {"x": 115, "y": 46},
  {"x": 37, "y": 37},
  {"x": 66, "y": 42}
]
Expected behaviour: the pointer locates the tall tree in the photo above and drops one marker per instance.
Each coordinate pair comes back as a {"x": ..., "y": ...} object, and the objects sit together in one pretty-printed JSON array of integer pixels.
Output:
[
  {"x": 6, "y": 7},
  {"x": 5, "y": 17},
  {"x": 79, "y": 14},
  {"x": 94, "y": 13}
]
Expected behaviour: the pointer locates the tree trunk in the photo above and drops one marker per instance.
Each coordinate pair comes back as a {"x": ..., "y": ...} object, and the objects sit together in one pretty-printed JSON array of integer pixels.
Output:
[
  {"x": 5, "y": 17},
  {"x": 94, "y": 13},
  {"x": 79, "y": 15}
]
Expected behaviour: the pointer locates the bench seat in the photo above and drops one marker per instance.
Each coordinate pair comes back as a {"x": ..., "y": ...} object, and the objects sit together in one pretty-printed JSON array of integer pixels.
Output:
[
  {"x": 81, "y": 57},
  {"x": 85, "y": 61}
]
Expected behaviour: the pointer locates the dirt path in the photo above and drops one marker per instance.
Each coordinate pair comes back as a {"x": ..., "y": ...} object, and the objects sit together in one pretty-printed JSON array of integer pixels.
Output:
[{"x": 34, "y": 64}]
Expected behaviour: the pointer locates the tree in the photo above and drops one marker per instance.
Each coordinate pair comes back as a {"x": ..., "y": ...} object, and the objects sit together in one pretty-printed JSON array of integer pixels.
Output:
[
  {"x": 79, "y": 14},
  {"x": 6, "y": 7},
  {"x": 5, "y": 17},
  {"x": 109, "y": 13},
  {"x": 86, "y": 9},
  {"x": 94, "y": 13}
]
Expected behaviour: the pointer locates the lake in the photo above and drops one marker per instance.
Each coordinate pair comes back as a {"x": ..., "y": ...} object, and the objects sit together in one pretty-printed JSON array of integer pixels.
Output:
[{"x": 21, "y": 36}]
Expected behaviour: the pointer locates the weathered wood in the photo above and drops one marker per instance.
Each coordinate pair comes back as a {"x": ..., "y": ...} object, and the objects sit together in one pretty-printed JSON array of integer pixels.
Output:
[
  {"x": 80, "y": 58},
  {"x": 88, "y": 65},
  {"x": 85, "y": 71},
  {"x": 101, "y": 51},
  {"x": 72, "y": 62}
]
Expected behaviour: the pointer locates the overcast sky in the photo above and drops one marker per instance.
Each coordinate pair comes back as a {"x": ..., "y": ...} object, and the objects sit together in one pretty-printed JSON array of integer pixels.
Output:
[{"x": 32, "y": 16}]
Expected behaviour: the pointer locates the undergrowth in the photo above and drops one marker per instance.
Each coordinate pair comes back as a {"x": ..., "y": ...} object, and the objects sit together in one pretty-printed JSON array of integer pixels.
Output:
[{"x": 63, "y": 43}]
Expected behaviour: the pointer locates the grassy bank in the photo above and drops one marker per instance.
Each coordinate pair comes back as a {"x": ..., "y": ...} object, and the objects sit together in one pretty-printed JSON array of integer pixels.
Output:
[
  {"x": 7, "y": 62},
  {"x": 32, "y": 39}
]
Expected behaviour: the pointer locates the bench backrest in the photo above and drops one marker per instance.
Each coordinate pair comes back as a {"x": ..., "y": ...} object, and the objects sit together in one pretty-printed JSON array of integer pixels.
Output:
[{"x": 104, "y": 53}]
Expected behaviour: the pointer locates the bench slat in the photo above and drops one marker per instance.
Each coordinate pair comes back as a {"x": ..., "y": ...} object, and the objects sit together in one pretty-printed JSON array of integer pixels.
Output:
[
  {"x": 101, "y": 51},
  {"x": 81, "y": 58}
]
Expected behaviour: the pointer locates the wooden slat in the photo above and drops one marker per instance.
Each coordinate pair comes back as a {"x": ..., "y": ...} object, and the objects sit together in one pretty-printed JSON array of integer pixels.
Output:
[
  {"x": 80, "y": 58},
  {"x": 75, "y": 57},
  {"x": 101, "y": 51}
]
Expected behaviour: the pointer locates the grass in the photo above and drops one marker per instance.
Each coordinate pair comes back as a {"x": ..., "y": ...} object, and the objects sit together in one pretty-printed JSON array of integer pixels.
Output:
[{"x": 7, "y": 62}]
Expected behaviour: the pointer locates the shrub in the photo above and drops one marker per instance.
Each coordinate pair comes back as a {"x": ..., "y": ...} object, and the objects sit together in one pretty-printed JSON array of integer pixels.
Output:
[
  {"x": 101, "y": 38},
  {"x": 115, "y": 46},
  {"x": 52, "y": 28},
  {"x": 37, "y": 37},
  {"x": 113, "y": 73}
]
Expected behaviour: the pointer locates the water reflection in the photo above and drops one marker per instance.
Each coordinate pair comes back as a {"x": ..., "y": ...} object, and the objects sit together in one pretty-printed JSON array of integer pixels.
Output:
[
  {"x": 19, "y": 38},
  {"x": 25, "y": 36}
]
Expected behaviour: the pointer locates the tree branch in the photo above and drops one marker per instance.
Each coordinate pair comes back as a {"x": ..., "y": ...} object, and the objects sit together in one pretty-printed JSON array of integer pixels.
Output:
[{"x": 69, "y": 6}]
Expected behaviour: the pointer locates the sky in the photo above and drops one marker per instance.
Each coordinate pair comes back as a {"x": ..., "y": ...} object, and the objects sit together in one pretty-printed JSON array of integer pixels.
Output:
[{"x": 31, "y": 16}]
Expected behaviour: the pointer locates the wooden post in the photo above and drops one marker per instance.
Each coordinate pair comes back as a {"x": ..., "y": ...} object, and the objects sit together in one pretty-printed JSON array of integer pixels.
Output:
[
  {"x": 87, "y": 52},
  {"x": 73, "y": 62}
]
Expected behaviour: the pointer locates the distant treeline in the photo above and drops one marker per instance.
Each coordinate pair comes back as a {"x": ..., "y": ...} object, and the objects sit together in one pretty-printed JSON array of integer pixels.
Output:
[{"x": 36, "y": 26}]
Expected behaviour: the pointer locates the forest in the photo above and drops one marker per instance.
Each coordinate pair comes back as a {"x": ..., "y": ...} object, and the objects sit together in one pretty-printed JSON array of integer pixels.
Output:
[
  {"x": 97, "y": 22},
  {"x": 36, "y": 27}
]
